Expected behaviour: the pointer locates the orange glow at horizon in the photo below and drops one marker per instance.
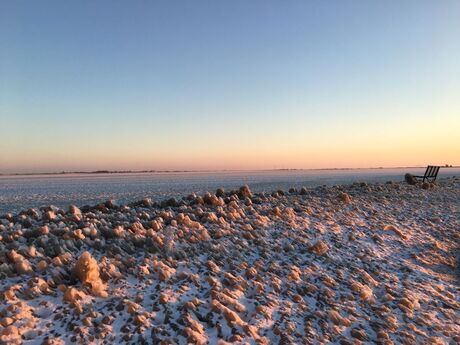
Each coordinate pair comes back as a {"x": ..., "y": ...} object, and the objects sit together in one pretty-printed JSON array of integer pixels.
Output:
[{"x": 386, "y": 142}]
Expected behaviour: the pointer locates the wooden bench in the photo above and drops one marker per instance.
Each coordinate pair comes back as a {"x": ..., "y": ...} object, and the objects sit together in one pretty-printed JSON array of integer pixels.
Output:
[{"x": 431, "y": 173}]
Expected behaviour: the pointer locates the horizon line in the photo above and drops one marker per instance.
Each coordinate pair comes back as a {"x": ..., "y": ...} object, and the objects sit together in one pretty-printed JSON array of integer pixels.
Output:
[{"x": 171, "y": 171}]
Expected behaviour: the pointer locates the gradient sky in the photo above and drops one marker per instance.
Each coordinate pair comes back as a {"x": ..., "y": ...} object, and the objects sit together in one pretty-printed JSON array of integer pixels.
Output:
[{"x": 88, "y": 85}]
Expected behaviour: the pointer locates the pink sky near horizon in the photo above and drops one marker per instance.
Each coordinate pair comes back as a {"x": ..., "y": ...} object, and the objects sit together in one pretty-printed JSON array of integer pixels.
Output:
[
  {"x": 327, "y": 151},
  {"x": 405, "y": 140}
]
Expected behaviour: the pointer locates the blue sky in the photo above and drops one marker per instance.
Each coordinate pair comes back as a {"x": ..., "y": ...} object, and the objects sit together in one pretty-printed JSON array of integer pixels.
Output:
[{"x": 228, "y": 84}]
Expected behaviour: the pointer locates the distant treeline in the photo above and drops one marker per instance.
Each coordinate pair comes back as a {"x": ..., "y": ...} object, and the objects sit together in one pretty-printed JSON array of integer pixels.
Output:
[{"x": 101, "y": 172}]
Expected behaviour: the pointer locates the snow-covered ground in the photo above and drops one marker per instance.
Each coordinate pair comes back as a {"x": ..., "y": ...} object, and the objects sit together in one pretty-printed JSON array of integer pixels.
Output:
[
  {"x": 19, "y": 192},
  {"x": 360, "y": 263}
]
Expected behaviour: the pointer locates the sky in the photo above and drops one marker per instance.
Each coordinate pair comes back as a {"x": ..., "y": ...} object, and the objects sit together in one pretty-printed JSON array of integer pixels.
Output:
[{"x": 198, "y": 85}]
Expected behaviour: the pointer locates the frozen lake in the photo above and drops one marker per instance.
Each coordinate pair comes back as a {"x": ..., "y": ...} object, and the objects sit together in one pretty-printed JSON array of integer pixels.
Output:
[{"x": 22, "y": 192}]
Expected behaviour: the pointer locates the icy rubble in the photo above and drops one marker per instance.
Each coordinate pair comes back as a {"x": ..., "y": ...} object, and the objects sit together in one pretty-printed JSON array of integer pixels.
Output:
[{"x": 355, "y": 264}]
